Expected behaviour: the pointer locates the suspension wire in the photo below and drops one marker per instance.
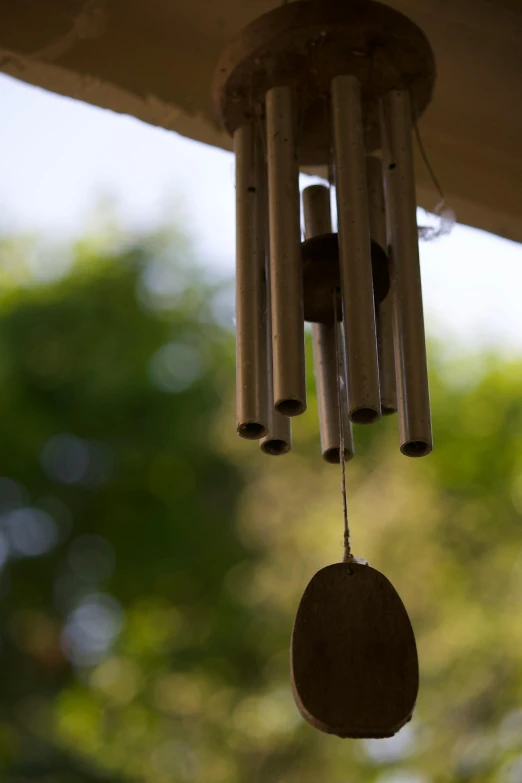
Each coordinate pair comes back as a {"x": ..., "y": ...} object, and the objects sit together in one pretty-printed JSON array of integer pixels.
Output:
[
  {"x": 427, "y": 162},
  {"x": 341, "y": 404},
  {"x": 347, "y": 557},
  {"x": 445, "y": 214}
]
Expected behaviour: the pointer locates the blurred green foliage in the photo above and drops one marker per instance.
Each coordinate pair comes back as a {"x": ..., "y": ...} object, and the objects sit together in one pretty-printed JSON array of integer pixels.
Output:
[{"x": 151, "y": 562}]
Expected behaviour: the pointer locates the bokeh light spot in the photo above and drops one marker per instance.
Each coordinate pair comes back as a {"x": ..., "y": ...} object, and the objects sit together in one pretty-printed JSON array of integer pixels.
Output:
[
  {"x": 31, "y": 532},
  {"x": 175, "y": 367},
  {"x": 91, "y": 628},
  {"x": 162, "y": 285},
  {"x": 510, "y": 731},
  {"x": 386, "y": 751},
  {"x": 68, "y": 459},
  {"x": 118, "y": 679}
]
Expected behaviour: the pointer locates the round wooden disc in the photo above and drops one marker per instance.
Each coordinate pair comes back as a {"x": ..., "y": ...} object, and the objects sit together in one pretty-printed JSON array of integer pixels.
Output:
[
  {"x": 321, "y": 276},
  {"x": 354, "y": 660},
  {"x": 304, "y": 45}
]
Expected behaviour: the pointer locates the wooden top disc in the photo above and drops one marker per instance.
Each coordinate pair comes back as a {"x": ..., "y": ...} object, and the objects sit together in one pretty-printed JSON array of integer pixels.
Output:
[
  {"x": 354, "y": 663},
  {"x": 304, "y": 45}
]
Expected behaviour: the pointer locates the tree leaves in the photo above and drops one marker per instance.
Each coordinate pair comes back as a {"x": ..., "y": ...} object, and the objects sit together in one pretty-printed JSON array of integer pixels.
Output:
[{"x": 152, "y": 563}]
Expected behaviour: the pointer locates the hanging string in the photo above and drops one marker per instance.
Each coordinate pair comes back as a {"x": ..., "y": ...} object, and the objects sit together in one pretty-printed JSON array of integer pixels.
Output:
[
  {"x": 445, "y": 215},
  {"x": 348, "y": 557},
  {"x": 427, "y": 162}
]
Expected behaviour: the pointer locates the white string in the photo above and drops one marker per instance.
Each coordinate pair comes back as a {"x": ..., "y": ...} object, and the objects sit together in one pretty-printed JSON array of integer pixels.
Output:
[
  {"x": 348, "y": 557},
  {"x": 445, "y": 216}
]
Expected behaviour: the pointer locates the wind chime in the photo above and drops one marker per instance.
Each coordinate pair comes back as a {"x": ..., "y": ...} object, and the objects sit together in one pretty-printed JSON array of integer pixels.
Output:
[{"x": 337, "y": 85}]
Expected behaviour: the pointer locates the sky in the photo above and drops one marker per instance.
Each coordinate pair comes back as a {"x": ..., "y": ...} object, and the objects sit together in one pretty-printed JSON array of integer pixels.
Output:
[{"x": 59, "y": 158}]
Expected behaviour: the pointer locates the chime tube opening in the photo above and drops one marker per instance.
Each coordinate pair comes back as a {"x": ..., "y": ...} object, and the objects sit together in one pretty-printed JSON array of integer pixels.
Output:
[
  {"x": 289, "y": 383},
  {"x": 326, "y": 342},
  {"x": 251, "y": 430},
  {"x": 278, "y": 437},
  {"x": 251, "y": 399},
  {"x": 333, "y": 456},
  {"x": 416, "y": 448},
  {"x": 364, "y": 415},
  {"x": 362, "y": 367},
  {"x": 408, "y": 320},
  {"x": 289, "y": 407},
  {"x": 275, "y": 447},
  {"x": 383, "y": 311}
]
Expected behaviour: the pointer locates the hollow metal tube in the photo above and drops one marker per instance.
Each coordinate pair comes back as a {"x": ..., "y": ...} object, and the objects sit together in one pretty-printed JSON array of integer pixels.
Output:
[
  {"x": 387, "y": 377},
  {"x": 317, "y": 211},
  {"x": 326, "y": 342},
  {"x": 377, "y": 210},
  {"x": 285, "y": 254},
  {"x": 251, "y": 218},
  {"x": 383, "y": 311},
  {"x": 408, "y": 320},
  {"x": 355, "y": 252},
  {"x": 325, "y": 339},
  {"x": 278, "y": 438}
]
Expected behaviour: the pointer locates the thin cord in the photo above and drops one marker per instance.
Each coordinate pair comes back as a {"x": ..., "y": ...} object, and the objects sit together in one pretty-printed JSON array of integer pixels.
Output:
[
  {"x": 426, "y": 160},
  {"x": 348, "y": 557},
  {"x": 446, "y": 216}
]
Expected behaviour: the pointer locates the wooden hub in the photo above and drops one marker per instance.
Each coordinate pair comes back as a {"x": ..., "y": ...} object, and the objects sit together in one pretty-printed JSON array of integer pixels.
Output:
[
  {"x": 304, "y": 45},
  {"x": 321, "y": 277}
]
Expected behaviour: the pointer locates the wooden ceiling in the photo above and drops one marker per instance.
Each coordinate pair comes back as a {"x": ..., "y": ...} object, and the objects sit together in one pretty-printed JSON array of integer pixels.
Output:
[{"x": 155, "y": 59}]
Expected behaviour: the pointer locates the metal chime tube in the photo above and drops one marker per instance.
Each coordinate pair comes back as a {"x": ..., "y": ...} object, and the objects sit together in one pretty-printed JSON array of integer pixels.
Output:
[
  {"x": 278, "y": 439},
  {"x": 286, "y": 289},
  {"x": 326, "y": 341},
  {"x": 251, "y": 398},
  {"x": 383, "y": 311},
  {"x": 355, "y": 252},
  {"x": 326, "y": 338},
  {"x": 410, "y": 346},
  {"x": 388, "y": 381}
]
